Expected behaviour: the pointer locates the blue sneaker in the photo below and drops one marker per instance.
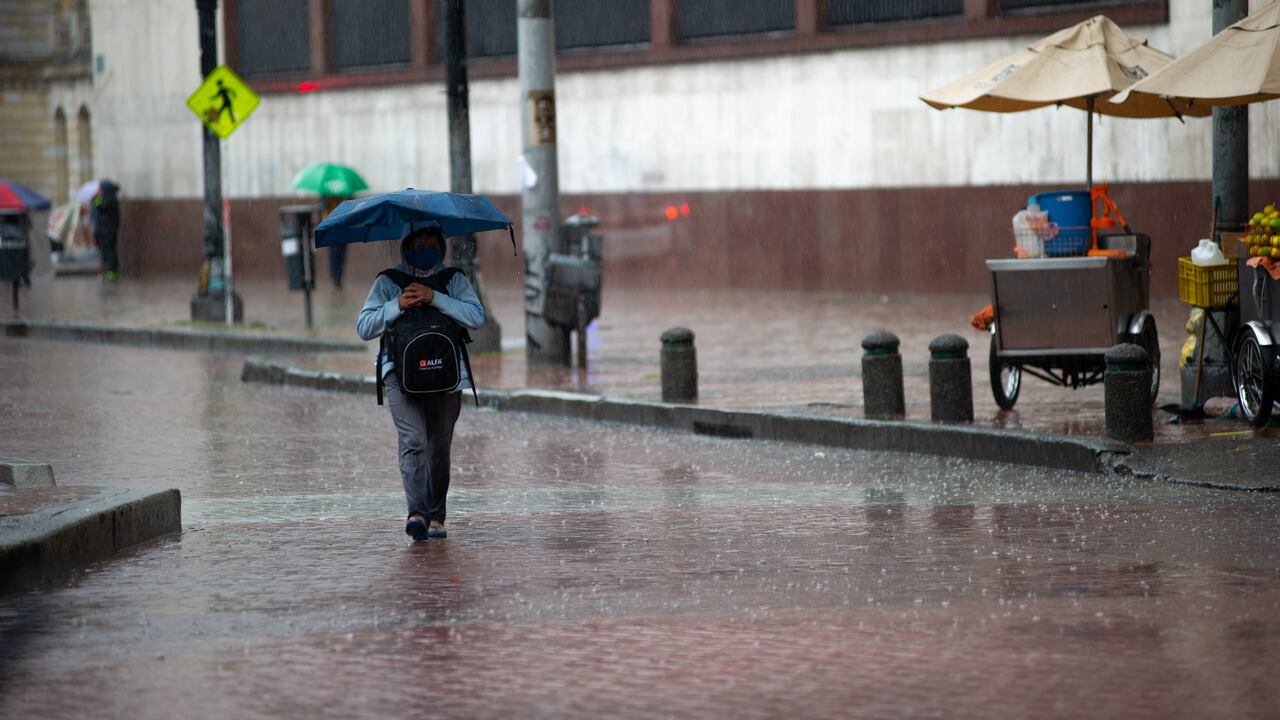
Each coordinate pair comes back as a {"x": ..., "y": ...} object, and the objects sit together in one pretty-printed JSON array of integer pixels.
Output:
[
  {"x": 437, "y": 531},
  {"x": 416, "y": 528}
]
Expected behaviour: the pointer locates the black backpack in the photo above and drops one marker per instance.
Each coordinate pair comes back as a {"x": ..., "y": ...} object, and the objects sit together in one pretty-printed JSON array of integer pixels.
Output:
[{"x": 425, "y": 344}]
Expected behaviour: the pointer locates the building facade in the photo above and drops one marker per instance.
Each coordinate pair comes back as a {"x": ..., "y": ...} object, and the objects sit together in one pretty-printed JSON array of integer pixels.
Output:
[
  {"x": 46, "y": 95},
  {"x": 724, "y": 143}
]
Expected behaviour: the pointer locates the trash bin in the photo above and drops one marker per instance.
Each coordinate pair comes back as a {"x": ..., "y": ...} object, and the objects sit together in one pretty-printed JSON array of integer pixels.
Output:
[
  {"x": 296, "y": 223},
  {"x": 573, "y": 280},
  {"x": 15, "y": 259},
  {"x": 573, "y": 277}
]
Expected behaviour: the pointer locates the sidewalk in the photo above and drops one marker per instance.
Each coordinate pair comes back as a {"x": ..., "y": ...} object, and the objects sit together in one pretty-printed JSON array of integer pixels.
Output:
[{"x": 780, "y": 352}]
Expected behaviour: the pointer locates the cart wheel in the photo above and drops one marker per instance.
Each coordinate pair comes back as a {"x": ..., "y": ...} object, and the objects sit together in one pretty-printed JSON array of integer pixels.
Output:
[
  {"x": 1006, "y": 379},
  {"x": 1149, "y": 340},
  {"x": 1255, "y": 380}
]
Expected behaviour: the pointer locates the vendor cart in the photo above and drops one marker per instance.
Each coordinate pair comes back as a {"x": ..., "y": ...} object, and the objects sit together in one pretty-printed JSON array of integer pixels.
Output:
[{"x": 1056, "y": 317}]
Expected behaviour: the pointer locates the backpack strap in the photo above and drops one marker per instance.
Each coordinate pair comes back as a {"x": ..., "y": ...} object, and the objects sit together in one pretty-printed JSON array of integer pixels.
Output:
[
  {"x": 466, "y": 360},
  {"x": 377, "y": 364}
]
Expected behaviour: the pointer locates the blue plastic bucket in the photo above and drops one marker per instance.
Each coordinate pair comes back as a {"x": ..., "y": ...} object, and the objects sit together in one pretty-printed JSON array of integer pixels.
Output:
[{"x": 1071, "y": 211}]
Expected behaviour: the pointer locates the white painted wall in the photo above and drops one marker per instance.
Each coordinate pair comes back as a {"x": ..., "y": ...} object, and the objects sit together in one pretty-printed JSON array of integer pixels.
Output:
[{"x": 846, "y": 119}]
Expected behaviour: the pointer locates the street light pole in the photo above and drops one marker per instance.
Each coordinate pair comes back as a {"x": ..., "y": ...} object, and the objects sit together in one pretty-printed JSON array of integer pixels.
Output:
[
  {"x": 1211, "y": 375},
  {"x": 489, "y": 337},
  {"x": 209, "y": 302},
  {"x": 1231, "y": 139},
  {"x": 540, "y": 184}
]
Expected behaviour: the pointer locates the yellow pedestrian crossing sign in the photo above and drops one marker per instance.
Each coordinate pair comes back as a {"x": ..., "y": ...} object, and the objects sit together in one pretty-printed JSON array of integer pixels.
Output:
[{"x": 223, "y": 101}]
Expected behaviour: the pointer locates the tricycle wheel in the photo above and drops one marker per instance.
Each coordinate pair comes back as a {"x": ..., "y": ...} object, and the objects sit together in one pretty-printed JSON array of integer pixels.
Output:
[
  {"x": 1006, "y": 379},
  {"x": 1255, "y": 381},
  {"x": 1149, "y": 340}
]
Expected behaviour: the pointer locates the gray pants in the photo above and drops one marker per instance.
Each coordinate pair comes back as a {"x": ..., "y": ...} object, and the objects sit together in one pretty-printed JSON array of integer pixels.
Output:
[{"x": 425, "y": 426}]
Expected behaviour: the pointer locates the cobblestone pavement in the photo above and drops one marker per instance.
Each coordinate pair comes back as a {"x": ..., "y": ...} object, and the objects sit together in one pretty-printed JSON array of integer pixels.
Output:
[{"x": 605, "y": 570}]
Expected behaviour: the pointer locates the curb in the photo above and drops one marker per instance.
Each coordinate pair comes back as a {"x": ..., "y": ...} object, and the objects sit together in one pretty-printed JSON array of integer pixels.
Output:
[
  {"x": 961, "y": 441},
  {"x": 174, "y": 338},
  {"x": 39, "y": 548}
]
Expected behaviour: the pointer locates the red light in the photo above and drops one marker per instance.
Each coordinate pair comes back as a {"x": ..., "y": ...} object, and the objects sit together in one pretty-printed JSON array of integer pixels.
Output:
[
  {"x": 684, "y": 209},
  {"x": 583, "y": 210},
  {"x": 306, "y": 87},
  {"x": 672, "y": 213}
]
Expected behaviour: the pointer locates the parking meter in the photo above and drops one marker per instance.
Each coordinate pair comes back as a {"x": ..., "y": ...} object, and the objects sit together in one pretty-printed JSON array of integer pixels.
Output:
[
  {"x": 573, "y": 280},
  {"x": 297, "y": 223}
]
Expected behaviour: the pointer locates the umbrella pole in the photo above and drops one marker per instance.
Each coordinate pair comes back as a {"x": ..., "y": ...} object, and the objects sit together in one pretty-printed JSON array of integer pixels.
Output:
[{"x": 1088, "y": 163}]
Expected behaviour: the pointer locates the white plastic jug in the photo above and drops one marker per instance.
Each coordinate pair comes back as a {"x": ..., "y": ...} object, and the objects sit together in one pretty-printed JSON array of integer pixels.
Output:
[{"x": 1207, "y": 253}]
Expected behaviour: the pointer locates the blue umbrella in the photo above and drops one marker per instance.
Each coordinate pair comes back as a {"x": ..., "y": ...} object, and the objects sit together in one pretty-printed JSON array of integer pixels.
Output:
[{"x": 392, "y": 216}]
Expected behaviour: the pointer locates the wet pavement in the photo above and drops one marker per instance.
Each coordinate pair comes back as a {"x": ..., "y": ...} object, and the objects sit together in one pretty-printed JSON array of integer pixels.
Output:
[{"x": 605, "y": 570}]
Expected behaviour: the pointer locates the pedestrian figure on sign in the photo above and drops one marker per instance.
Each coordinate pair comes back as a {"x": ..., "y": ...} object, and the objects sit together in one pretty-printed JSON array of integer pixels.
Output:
[
  {"x": 225, "y": 95},
  {"x": 421, "y": 290}
]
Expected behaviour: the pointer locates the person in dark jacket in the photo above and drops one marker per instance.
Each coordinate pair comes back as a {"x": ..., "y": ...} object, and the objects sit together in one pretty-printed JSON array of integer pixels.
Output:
[
  {"x": 105, "y": 216},
  {"x": 424, "y": 423},
  {"x": 337, "y": 253}
]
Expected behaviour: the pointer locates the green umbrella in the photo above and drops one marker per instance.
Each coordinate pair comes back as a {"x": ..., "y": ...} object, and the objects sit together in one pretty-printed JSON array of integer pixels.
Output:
[{"x": 329, "y": 179}]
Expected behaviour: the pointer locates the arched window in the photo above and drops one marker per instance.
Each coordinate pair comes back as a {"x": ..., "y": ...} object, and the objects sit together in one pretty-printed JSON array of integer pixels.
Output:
[
  {"x": 61, "y": 191},
  {"x": 84, "y": 133}
]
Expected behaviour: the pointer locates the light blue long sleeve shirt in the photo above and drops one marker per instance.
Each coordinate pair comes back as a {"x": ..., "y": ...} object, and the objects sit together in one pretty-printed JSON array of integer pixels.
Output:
[{"x": 382, "y": 308}]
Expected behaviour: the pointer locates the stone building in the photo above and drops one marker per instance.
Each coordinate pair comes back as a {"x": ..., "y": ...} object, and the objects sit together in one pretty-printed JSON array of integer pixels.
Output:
[
  {"x": 787, "y": 135},
  {"x": 46, "y": 88}
]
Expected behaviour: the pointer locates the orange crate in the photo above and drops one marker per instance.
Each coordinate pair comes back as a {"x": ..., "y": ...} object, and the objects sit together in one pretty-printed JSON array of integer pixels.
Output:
[{"x": 1206, "y": 286}]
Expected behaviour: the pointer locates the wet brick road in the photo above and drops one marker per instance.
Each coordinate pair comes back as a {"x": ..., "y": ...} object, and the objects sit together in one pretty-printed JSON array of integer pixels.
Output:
[{"x": 600, "y": 571}]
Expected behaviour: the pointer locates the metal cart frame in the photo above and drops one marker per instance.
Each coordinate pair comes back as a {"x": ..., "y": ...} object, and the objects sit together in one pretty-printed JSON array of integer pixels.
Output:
[
  {"x": 1255, "y": 367},
  {"x": 1055, "y": 318}
]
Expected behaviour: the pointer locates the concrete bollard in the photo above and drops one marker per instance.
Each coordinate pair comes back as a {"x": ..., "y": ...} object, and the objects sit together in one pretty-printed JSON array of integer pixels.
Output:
[
  {"x": 1127, "y": 391},
  {"x": 679, "y": 366},
  {"x": 882, "y": 396},
  {"x": 950, "y": 380}
]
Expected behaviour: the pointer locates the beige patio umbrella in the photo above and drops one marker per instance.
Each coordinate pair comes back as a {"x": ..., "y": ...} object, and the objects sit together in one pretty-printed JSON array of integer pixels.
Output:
[
  {"x": 1237, "y": 66},
  {"x": 1075, "y": 66}
]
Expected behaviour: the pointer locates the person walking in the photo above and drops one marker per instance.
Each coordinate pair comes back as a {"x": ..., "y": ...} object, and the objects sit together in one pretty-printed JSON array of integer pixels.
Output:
[
  {"x": 105, "y": 216},
  {"x": 424, "y": 422},
  {"x": 337, "y": 253}
]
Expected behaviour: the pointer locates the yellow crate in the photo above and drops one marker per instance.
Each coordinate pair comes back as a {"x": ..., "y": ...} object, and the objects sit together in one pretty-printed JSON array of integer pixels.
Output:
[{"x": 1206, "y": 286}]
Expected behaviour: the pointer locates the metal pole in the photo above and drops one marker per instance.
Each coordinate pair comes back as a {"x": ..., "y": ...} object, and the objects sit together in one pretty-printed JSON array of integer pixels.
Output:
[
  {"x": 457, "y": 89},
  {"x": 540, "y": 193},
  {"x": 306, "y": 240},
  {"x": 1231, "y": 139},
  {"x": 580, "y": 333},
  {"x": 229, "y": 290},
  {"x": 1088, "y": 167},
  {"x": 458, "y": 93},
  {"x": 208, "y": 11}
]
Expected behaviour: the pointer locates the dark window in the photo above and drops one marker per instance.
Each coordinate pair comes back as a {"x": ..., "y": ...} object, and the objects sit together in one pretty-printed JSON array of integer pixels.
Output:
[
  {"x": 1057, "y": 5},
  {"x": 369, "y": 33},
  {"x": 597, "y": 23},
  {"x": 857, "y": 12},
  {"x": 272, "y": 37},
  {"x": 709, "y": 18},
  {"x": 491, "y": 28}
]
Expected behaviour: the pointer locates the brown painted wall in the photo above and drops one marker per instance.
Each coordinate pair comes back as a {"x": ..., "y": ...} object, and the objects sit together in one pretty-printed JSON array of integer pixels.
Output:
[{"x": 868, "y": 240}]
